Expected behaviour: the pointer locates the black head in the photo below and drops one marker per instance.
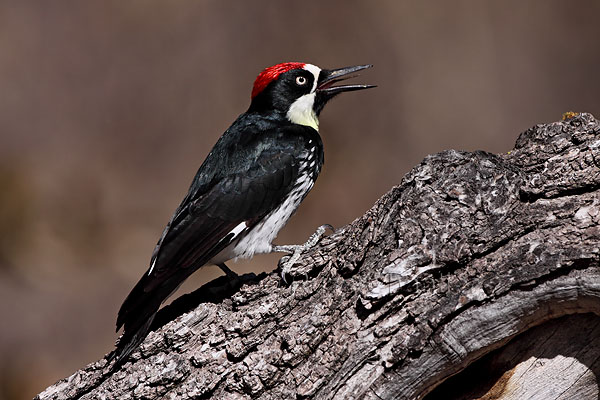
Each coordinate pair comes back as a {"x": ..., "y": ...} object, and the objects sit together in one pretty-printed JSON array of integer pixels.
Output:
[{"x": 299, "y": 91}]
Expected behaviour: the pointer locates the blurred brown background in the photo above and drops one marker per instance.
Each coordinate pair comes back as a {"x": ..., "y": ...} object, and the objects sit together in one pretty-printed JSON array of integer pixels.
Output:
[{"x": 108, "y": 108}]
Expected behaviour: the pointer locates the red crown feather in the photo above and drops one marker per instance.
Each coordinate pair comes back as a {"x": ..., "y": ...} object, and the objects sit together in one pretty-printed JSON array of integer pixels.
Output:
[{"x": 269, "y": 74}]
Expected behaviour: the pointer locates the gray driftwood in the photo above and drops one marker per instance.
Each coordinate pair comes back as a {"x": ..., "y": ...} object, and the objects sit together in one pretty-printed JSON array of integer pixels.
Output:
[{"x": 476, "y": 277}]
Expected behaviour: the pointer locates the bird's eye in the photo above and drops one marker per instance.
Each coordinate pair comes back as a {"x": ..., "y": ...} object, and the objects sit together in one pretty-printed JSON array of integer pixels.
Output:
[{"x": 300, "y": 81}]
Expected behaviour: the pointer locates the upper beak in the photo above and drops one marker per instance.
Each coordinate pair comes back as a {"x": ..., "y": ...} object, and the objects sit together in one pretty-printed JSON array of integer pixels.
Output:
[{"x": 329, "y": 77}]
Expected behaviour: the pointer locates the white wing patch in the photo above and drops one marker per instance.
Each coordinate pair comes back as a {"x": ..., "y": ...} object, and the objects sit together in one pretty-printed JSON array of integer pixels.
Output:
[
  {"x": 152, "y": 266},
  {"x": 238, "y": 229}
]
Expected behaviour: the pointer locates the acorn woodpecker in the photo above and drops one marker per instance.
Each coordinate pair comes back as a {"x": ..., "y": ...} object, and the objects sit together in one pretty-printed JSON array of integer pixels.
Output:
[{"x": 250, "y": 184}]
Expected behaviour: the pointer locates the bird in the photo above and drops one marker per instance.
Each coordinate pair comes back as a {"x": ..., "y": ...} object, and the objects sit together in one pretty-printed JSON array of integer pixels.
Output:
[{"x": 244, "y": 192}]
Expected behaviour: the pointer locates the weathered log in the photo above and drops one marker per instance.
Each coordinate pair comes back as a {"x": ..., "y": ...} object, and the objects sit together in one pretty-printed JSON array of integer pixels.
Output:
[{"x": 452, "y": 268}]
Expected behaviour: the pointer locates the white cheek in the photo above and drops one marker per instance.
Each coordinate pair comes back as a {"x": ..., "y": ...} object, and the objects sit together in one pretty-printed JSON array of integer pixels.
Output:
[{"x": 302, "y": 112}]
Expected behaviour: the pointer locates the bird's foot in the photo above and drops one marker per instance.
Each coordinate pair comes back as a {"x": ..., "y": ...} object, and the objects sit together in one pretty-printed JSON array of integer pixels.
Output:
[
  {"x": 230, "y": 274},
  {"x": 295, "y": 250},
  {"x": 233, "y": 279}
]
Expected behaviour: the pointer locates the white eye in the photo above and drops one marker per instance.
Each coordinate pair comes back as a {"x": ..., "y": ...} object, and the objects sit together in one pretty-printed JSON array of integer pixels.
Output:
[{"x": 300, "y": 81}]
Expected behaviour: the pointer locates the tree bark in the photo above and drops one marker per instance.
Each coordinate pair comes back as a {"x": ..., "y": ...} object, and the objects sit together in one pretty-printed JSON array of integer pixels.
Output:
[{"x": 469, "y": 271}]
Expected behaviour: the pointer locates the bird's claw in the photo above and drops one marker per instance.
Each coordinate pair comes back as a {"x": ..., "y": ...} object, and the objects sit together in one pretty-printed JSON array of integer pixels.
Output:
[
  {"x": 288, "y": 261},
  {"x": 295, "y": 251}
]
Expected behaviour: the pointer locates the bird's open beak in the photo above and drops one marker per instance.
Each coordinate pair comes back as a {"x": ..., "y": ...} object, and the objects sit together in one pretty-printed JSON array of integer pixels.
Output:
[{"x": 329, "y": 77}]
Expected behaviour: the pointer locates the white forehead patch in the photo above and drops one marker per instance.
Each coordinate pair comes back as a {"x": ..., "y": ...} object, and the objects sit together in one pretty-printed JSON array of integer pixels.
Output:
[
  {"x": 301, "y": 111},
  {"x": 313, "y": 69}
]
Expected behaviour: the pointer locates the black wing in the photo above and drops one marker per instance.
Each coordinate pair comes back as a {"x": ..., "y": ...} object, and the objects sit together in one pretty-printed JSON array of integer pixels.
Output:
[{"x": 202, "y": 225}]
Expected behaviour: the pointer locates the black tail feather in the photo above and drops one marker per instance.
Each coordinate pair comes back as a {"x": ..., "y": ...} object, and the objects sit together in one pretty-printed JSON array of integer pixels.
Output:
[
  {"x": 131, "y": 307},
  {"x": 136, "y": 316},
  {"x": 130, "y": 340}
]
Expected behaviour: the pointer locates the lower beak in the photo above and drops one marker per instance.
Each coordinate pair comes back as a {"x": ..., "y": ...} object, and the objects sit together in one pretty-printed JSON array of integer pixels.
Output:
[{"x": 329, "y": 77}]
